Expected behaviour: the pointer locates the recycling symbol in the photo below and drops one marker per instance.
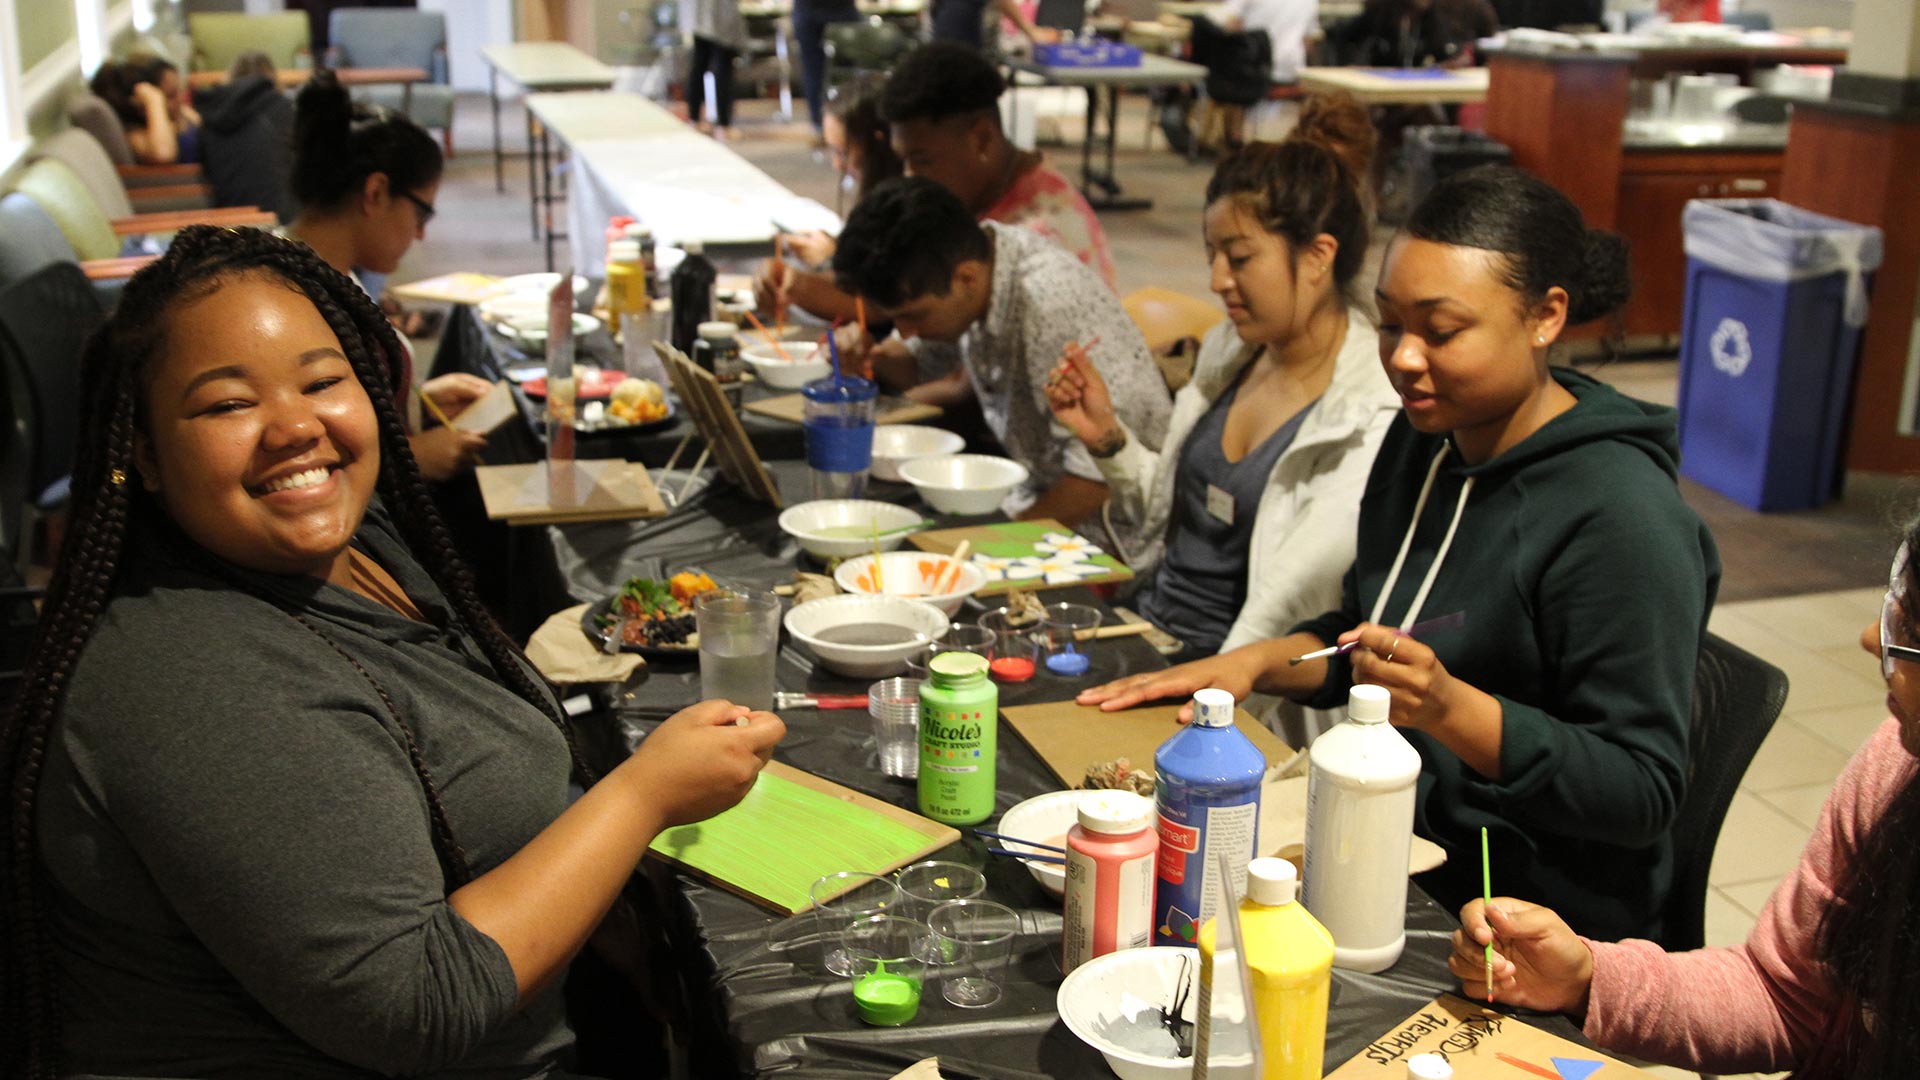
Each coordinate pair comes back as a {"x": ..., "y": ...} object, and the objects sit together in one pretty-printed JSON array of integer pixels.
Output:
[{"x": 1732, "y": 352}]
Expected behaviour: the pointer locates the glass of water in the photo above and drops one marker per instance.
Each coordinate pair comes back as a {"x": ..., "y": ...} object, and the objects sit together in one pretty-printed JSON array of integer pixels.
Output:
[{"x": 739, "y": 643}]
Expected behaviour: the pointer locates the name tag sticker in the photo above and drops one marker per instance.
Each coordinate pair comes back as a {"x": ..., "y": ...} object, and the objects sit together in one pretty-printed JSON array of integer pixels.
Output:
[{"x": 1220, "y": 504}]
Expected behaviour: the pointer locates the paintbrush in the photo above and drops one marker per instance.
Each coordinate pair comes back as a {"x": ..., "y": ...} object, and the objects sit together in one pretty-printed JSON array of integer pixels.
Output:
[{"x": 1440, "y": 622}]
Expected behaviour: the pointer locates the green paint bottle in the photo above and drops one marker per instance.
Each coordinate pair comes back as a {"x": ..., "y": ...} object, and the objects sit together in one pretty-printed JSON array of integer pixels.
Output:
[{"x": 959, "y": 715}]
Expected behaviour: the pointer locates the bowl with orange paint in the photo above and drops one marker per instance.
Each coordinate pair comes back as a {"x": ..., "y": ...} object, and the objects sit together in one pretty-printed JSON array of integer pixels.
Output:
[{"x": 913, "y": 575}]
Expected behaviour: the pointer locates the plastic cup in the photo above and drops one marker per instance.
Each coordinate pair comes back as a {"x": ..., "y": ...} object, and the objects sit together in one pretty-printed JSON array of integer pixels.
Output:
[
  {"x": 884, "y": 961},
  {"x": 1019, "y": 646},
  {"x": 894, "y": 705},
  {"x": 971, "y": 941},
  {"x": 926, "y": 885},
  {"x": 739, "y": 642},
  {"x": 839, "y": 901},
  {"x": 959, "y": 638},
  {"x": 838, "y": 427},
  {"x": 1066, "y": 653}
]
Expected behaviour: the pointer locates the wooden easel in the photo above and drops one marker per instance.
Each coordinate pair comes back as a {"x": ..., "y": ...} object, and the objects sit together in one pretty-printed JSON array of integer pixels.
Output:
[{"x": 717, "y": 423}]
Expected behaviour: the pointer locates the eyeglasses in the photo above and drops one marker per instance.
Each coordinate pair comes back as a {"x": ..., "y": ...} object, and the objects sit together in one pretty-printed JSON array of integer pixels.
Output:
[
  {"x": 421, "y": 206},
  {"x": 1892, "y": 617}
]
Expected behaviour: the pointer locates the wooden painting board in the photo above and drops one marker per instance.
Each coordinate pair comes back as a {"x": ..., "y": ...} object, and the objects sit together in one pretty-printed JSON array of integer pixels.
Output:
[
  {"x": 719, "y": 425},
  {"x": 493, "y": 409},
  {"x": 459, "y": 287},
  {"x": 794, "y": 828},
  {"x": 1070, "y": 737},
  {"x": 1480, "y": 1044},
  {"x": 607, "y": 489},
  {"x": 1015, "y": 539},
  {"x": 888, "y": 410}
]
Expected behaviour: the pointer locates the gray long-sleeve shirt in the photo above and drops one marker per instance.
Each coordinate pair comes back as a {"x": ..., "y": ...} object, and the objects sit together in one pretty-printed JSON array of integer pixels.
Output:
[{"x": 245, "y": 882}]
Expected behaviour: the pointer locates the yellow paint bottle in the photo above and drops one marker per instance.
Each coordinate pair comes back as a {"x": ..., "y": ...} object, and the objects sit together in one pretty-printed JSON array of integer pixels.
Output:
[{"x": 1290, "y": 957}]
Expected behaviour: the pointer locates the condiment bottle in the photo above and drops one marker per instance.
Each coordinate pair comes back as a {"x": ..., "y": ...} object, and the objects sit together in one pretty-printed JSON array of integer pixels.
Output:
[
  {"x": 1360, "y": 794},
  {"x": 691, "y": 290},
  {"x": 959, "y": 718},
  {"x": 1207, "y": 787},
  {"x": 625, "y": 291},
  {"x": 718, "y": 350},
  {"x": 1290, "y": 957},
  {"x": 1110, "y": 868},
  {"x": 649, "y": 257}
]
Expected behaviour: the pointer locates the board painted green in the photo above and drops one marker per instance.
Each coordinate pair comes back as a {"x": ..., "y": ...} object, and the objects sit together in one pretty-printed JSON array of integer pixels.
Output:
[{"x": 783, "y": 837}]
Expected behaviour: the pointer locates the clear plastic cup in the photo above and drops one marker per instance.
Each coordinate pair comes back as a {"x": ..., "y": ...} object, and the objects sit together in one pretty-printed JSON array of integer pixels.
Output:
[
  {"x": 958, "y": 638},
  {"x": 885, "y": 960},
  {"x": 926, "y": 885},
  {"x": 1064, "y": 623},
  {"x": 894, "y": 705},
  {"x": 839, "y": 901},
  {"x": 1019, "y": 645},
  {"x": 739, "y": 644},
  {"x": 971, "y": 942}
]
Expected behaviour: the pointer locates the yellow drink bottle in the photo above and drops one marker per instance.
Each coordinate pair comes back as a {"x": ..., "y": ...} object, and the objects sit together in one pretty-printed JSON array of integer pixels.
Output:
[{"x": 1290, "y": 957}]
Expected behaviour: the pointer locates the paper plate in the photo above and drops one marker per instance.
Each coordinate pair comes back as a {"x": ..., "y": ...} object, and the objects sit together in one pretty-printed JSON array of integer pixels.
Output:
[{"x": 597, "y": 383}]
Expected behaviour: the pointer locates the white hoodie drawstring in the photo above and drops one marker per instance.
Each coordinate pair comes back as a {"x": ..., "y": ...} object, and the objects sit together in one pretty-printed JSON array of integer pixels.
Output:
[{"x": 1426, "y": 586}]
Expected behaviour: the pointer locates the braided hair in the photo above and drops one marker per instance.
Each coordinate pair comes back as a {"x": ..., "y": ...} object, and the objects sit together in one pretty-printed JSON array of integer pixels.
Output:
[{"x": 115, "y": 367}]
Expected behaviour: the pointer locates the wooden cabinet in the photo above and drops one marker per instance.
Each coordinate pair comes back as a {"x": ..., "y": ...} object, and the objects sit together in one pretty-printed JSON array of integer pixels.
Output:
[{"x": 1654, "y": 190}]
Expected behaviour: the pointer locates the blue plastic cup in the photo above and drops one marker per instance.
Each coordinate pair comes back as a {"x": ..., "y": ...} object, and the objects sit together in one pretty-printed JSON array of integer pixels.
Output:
[{"x": 839, "y": 432}]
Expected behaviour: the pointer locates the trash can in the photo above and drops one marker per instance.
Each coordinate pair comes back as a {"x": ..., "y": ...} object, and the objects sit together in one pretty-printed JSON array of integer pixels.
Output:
[
  {"x": 1776, "y": 299},
  {"x": 1428, "y": 155}
]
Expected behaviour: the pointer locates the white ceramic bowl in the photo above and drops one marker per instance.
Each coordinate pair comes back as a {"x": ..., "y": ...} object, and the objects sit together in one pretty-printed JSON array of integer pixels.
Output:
[
  {"x": 911, "y": 575},
  {"x": 964, "y": 483},
  {"x": 786, "y": 374},
  {"x": 806, "y": 622},
  {"x": 831, "y": 528},
  {"x": 533, "y": 331},
  {"x": 1113, "y": 1003},
  {"x": 896, "y": 444},
  {"x": 1044, "y": 819}
]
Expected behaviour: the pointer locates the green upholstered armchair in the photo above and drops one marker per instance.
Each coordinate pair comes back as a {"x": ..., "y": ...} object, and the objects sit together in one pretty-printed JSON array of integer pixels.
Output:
[{"x": 218, "y": 37}]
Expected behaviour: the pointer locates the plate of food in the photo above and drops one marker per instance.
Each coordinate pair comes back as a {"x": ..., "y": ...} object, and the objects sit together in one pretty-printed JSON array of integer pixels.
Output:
[
  {"x": 636, "y": 405},
  {"x": 649, "y": 616},
  {"x": 587, "y": 383}
]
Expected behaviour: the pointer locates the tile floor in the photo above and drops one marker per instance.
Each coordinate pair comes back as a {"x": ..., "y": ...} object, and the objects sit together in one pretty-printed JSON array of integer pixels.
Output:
[{"x": 1797, "y": 588}]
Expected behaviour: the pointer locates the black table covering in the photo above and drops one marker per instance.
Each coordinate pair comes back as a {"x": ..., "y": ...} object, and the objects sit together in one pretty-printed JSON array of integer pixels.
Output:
[{"x": 760, "y": 1006}]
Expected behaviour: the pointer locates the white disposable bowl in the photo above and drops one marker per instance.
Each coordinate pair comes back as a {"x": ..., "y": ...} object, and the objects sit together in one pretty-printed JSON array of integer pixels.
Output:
[
  {"x": 1044, "y": 819},
  {"x": 786, "y": 374},
  {"x": 964, "y": 483},
  {"x": 805, "y": 522},
  {"x": 896, "y": 444},
  {"x": 911, "y": 575},
  {"x": 805, "y": 621},
  {"x": 1113, "y": 1003}
]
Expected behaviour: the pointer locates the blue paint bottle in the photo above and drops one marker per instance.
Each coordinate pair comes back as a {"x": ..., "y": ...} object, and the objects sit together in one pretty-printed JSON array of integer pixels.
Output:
[{"x": 1207, "y": 788}]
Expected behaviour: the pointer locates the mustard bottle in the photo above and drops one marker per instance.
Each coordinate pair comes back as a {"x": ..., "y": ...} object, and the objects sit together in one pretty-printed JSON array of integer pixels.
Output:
[{"x": 1290, "y": 957}]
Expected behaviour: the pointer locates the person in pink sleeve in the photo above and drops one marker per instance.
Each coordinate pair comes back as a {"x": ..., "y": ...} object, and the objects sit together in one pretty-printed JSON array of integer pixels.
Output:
[{"x": 1827, "y": 985}]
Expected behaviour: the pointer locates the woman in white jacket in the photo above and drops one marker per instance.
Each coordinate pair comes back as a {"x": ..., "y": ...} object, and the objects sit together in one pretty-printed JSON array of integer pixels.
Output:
[{"x": 1245, "y": 520}]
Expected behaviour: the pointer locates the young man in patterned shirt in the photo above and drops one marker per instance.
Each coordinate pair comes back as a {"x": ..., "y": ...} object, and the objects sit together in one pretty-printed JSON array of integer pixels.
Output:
[{"x": 1005, "y": 303}]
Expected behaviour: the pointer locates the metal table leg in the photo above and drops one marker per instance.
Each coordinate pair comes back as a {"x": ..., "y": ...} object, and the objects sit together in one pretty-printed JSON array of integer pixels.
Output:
[
  {"x": 499, "y": 155},
  {"x": 533, "y": 180}
]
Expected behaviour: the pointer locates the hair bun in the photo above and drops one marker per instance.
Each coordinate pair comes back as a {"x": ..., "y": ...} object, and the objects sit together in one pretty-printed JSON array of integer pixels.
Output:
[{"x": 1606, "y": 277}]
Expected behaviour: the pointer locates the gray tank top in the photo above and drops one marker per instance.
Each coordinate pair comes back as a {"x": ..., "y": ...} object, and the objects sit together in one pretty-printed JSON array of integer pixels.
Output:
[{"x": 1201, "y": 582}]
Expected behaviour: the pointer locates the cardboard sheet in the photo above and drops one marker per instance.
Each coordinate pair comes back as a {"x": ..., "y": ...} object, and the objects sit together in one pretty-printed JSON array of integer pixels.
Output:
[
  {"x": 1480, "y": 1044},
  {"x": 1070, "y": 737},
  {"x": 605, "y": 489},
  {"x": 489, "y": 412},
  {"x": 459, "y": 287},
  {"x": 794, "y": 828},
  {"x": 888, "y": 410}
]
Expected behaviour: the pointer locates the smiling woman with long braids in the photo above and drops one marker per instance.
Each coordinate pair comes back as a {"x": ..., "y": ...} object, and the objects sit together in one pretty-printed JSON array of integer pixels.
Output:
[
  {"x": 284, "y": 799},
  {"x": 1542, "y": 504}
]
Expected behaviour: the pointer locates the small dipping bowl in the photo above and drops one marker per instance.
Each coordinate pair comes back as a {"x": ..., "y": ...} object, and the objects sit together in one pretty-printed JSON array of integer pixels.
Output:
[{"x": 1061, "y": 628}]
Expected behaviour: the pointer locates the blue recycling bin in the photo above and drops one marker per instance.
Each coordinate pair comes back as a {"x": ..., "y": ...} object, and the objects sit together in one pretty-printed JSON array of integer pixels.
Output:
[{"x": 1775, "y": 302}]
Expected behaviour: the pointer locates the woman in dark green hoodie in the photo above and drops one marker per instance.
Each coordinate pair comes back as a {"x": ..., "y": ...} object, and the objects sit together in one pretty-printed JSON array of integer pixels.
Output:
[{"x": 1542, "y": 504}]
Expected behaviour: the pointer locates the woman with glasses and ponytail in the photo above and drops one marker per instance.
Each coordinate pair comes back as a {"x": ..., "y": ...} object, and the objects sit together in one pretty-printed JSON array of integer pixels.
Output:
[
  {"x": 283, "y": 798},
  {"x": 365, "y": 178},
  {"x": 1828, "y": 983}
]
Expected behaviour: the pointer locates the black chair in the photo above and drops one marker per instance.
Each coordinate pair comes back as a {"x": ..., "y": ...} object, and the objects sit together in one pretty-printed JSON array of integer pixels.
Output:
[
  {"x": 17, "y": 611},
  {"x": 1736, "y": 698},
  {"x": 45, "y": 320}
]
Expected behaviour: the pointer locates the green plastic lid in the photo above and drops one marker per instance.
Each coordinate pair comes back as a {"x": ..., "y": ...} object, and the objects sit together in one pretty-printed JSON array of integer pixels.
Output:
[
  {"x": 958, "y": 665},
  {"x": 885, "y": 999}
]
